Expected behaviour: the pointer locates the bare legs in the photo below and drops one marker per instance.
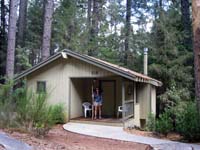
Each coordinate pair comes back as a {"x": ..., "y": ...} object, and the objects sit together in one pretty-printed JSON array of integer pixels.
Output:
[
  {"x": 96, "y": 110},
  {"x": 93, "y": 108},
  {"x": 99, "y": 111}
]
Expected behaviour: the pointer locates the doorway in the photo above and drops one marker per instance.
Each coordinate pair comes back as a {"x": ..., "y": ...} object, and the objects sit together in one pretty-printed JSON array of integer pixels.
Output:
[{"x": 109, "y": 99}]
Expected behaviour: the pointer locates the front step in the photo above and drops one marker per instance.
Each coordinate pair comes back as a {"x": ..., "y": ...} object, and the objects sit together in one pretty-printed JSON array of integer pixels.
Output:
[{"x": 117, "y": 124}]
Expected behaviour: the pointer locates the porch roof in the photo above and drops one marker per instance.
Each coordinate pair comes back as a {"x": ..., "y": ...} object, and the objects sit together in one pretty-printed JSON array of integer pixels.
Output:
[{"x": 124, "y": 72}]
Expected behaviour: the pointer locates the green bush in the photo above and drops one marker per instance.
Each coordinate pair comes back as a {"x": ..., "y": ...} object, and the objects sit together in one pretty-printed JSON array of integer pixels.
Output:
[
  {"x": 57, "y": 113},
  {"x": 188, "y": 121},
  {"x": 31, "y": 108},
  {"x": 151, "y": 122},
  {"x": 25, "y": 109},
  {"x": 7, "y": 106},
  {"x": 33, "y": 113},
  {"x": 164, "y": 124}
]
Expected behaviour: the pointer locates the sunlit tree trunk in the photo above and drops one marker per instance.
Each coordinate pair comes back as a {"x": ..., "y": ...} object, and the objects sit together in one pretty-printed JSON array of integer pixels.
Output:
[
  {"x": 47, "y": 29},
  {"x": 196, "y": 48},
  {"x": 11, "y": 39}
]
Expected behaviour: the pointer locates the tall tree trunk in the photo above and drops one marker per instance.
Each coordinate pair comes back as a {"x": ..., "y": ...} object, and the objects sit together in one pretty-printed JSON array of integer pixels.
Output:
[
  {"x": 3, "y": 19},
  {"x": 95, "y": 19},
  {"x": 21, "y": 33},
  {"x": 22, "y": 22},
  {"x": 11, "y": 39},
  {"x": 3, "y": 39},
  {"x": 185, "y": 10},
  {"x": 94, "y": 30},
  {"x": 127, "y": 30},
  {"x": 196, "y": 48},
  {"x": 89, "y": 22},
  {"x": 47, "y": 29},
  {"x": 89, "y": 13}
]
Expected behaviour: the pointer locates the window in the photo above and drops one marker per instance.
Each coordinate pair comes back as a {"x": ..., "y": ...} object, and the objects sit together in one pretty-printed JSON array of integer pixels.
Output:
[{"x": 41, "y": 86}]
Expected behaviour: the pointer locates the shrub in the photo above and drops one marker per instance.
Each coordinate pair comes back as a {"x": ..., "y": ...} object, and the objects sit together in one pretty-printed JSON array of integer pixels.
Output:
[
  {"x": 188, "y": 121},
  {"x": 7, "y": 106},
  {"x": 23, "y": 101},
  {"x": 28, "y": 110},
  {"x": 33, "y": 112},
  {"x": 164, "y": 123},
  {"x": 150, "y": 125},
  {"x": 57, "y": 113}
]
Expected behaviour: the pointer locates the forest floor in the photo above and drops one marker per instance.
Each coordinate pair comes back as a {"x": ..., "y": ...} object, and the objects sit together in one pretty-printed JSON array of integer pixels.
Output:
[
  {"x": 60, "y": 139},
  {"x": 170, "y": 136}
]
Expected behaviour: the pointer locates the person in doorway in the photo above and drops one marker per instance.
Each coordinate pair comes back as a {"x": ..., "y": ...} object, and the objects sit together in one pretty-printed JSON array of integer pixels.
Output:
[
  {"x": 95, "y": 84},
  {"x": 98, "y": 99}
]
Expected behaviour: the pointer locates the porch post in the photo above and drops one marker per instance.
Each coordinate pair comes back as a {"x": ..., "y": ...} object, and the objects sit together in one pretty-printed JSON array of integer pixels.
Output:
[{"x": 123, "y": 98}]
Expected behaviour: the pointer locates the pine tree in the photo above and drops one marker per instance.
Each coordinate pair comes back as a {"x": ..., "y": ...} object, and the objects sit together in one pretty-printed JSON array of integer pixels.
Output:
[
  {"x": 127, "y": 31},
  {"x": 11, "y": 39},
  {"x": 167, "y": 55},
  {"x": 47, "y": 29},
  {"x": 21, "y": 36},
  {"x": 94, "y": 29},
  {"x": 22, "y": 22},
  {"x": 185, "y": 11},
  {"x": 33, "y": 39},
  {"x": 196, "y": 48},
  {"x": 3, "y": 39}
]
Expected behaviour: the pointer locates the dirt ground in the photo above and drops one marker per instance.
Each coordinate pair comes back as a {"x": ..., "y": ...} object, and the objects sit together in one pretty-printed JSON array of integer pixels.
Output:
[
  {"x": 59, "y": 139},
  {"x": 169, "y": 136}
]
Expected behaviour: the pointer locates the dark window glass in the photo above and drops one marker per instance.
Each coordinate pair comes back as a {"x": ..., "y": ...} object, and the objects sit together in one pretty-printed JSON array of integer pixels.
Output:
[{"x": 41, "y": 86}]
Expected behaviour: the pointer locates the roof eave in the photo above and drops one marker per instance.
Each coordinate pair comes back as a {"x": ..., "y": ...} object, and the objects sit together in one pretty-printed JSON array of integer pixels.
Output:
[
  {"x": 113, "y": 69},
  {"x": 90, "y": 61},
  {"x": 39, "y": 65}
]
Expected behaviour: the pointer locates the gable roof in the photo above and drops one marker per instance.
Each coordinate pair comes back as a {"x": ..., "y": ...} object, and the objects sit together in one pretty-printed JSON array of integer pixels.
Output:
[{"x": 124, "y": 72}]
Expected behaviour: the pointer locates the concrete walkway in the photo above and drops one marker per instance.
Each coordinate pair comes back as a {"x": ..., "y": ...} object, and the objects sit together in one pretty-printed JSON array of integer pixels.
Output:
[
  {"x": 117, "y": 133},
  {"x": 13, "y": 144}
]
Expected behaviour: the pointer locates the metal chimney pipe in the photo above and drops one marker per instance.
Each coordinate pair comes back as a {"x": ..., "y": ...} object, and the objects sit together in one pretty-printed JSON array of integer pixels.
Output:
[{"x": 145, "y": 60}]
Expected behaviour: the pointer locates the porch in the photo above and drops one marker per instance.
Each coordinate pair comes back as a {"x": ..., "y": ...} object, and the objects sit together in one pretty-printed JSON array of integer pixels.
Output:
[
  {"x": 103, "y": 121},
  {"x": 116, "y": 92}
]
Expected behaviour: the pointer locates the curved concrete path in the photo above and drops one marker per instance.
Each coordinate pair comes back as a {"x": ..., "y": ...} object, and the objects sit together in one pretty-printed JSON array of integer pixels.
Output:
[
  {"x": 13, "y": 144},
  {"x": 117, "y": 133}
]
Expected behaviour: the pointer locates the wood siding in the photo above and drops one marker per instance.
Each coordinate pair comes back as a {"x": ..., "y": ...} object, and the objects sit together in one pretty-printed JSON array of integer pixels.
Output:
[
  {"x": 69, "y": 82},
  {"x": 57, "y": 75}
]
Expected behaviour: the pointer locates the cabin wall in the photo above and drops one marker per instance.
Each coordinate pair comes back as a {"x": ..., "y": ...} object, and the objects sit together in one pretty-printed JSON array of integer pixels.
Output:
[
  {"x": 153, "y": 100},
  {"x": 74, "y": 68},
  {"x": 145, "y": 103},
  {"x": 145, "y": 99},
  {"x": 58, "y": 74},
  {"x": 61, "y": 87},
  {"x": 77, "y": 97},
  {"x": 56, "y": 86}
]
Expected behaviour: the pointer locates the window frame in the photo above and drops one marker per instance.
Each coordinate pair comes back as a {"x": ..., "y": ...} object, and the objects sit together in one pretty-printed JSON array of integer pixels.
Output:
[{"x": 43, "y": 83}]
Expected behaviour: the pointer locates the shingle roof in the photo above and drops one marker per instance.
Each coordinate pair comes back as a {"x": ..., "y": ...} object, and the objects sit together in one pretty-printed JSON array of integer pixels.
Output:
[{"x": 124, "y": 72}]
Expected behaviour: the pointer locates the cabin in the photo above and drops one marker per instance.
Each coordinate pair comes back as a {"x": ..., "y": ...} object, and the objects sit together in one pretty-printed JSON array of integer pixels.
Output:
[{"x": 68, "y": 78}]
